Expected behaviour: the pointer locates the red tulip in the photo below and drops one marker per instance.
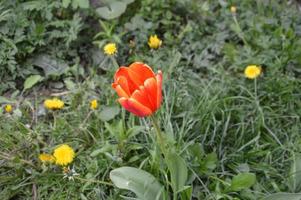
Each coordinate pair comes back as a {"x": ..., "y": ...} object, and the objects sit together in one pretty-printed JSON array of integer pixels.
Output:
[{"x": 139, "y": 89}]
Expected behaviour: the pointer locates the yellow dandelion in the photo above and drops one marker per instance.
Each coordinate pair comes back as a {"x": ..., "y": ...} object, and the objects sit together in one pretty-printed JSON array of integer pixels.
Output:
[
  {"x": 252, "y": 71},
  {"x": 93, "y": 104},
  {"x": 46, "y": 158},
  {"x": 8, "y": 108},
  {"x": 63, "y": 155},
  {"x": 154, "y": 42},
  {"x": 110, "y": 49},
  {"x": 233, "y": 9},
  {"x": 53, "y": 104}
]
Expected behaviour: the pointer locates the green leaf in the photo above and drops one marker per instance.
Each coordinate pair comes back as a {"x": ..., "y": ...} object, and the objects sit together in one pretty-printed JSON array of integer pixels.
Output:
[
  {"x": 113, "y": 10},
  {"x": 31, "y": 81},
  {"x": 142, "y": 183},
  {"x": 242, "y": 181},
  {"x": 282, "y": 196},
  {"x": 109, "y": 113},
  {"x": 66, "y": 3},
  {"x": 295, "y": 174},
  {"x": 80, "y": 3},
  {"x": 134, "y": 131},
  {"x": 178, "y": 171},
  {"x": 83, "y": 3},
  {"x": 51, "y": 66},
  {"x": 210, "y": 161}
]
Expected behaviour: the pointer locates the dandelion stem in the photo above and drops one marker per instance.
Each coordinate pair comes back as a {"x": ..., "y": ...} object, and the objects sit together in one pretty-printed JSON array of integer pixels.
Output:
[
  {"x": 240, "y": 33},
  {"x": 255, "y": 90},
  {"x": 87, "y": 117},
  {"x": 115, "y": 64},
  {"x": 94, "y": 181}
]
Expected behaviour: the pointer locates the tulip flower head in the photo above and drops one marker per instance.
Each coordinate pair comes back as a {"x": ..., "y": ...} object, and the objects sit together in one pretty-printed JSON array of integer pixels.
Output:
[{"x": 139, "y": 89}]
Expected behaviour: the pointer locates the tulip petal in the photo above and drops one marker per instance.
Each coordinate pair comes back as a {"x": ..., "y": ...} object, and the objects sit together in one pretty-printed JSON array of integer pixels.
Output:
[
  {"x": 159, "y": 78},
  {"x": 150, "y": 86},
  {"x": 142, "y": 97},
  {"x": 119, "y": 90},
  {"x": 124, "y": 72},
  {"x": 123, "y": 82},
  {"x": 139, "y": 72},
  {"x": 134, "y": 107}
]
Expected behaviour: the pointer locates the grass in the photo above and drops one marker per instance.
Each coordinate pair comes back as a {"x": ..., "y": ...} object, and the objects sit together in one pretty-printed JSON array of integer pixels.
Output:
[{"x": 220, "y": 123}]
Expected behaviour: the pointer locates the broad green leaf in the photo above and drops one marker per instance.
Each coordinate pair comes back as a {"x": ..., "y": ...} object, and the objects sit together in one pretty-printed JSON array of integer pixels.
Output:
[
  {"x": 69, "y": 84},
  {"x": 142, "y": 183},
  {"x": 31, "y": 81},
  {"x": 178, "y": 171},
  {"x": 51, "y": 66},
  {"x": 66, "y": 3},
  {"x": 242, "y": 181},
  {"x": 80, "y": 4},
  {"x": 295, "y": 174},
  {"x": 284, "y": 196},
  {"x": 4, "y": 100},
  {"x": 113, "y": 10},
  {"x": 109, "y": 113}
]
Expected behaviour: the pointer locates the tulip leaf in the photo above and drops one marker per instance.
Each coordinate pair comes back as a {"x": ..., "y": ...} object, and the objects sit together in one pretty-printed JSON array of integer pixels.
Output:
[
  {"x": 178, "y": 171},
  {"x": 142, "y": 183}
]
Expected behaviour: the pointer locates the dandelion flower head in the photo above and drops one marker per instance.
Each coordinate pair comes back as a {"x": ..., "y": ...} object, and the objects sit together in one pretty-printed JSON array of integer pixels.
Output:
[
  {"x": 154, "y": 42},
  {"x": 53, "y": 104},
  {"x": 252, "y": 71},
  {"x": 93, "y": 104},
  {"x": 110, "y": 49},
  {"x": 8, "y": 108},
  {"x": 233, "y": 9},
  {"x": 63, "y": 155},
  {"x": 46, "y": 158}
]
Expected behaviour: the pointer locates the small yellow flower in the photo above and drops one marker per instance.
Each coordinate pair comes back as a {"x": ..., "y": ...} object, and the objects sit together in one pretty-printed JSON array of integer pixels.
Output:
[
  {"x": 154, "y": 42},
  {"x": 110, "y": 49},
  {"x": 233, "y": 9},
  {"x": 63, "y": 155},
  {"x": 53, "y": 104},
  {"x": 93, "y": 104},
  {"x": 46, "y": 158},
  {"x": 8, "y": 108},
  {"x": 252, "y": 71}
]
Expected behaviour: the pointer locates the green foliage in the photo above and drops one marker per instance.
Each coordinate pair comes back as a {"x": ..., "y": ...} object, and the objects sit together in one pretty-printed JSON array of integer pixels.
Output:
[
  {"x": 31, "y": 81},
  {"x": 109, "y": 113},
  {"x": 242, "y": 181},
  {"x": 178, "y": 171},
  {"x": 281, "y": 196},
  {"x": 232, "y": 138},
  {"x": 113, "y": 9},
  {"x": 143, "y": 184}
]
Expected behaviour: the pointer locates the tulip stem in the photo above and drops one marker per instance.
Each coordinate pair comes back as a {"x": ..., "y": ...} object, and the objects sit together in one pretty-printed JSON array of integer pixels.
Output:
[{"x": 159, "y": 135}]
